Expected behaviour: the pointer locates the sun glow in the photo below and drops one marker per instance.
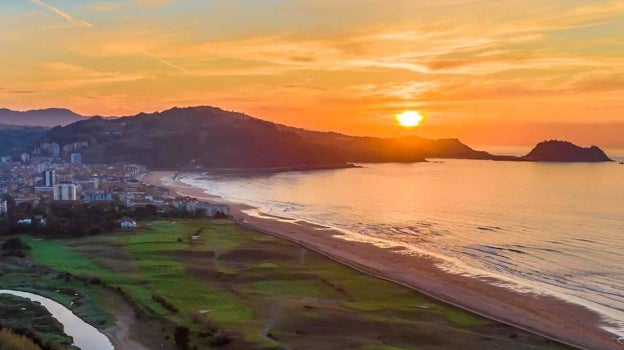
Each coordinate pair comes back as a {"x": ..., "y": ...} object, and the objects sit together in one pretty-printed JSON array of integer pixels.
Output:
[{"x": 409, "y": 119}]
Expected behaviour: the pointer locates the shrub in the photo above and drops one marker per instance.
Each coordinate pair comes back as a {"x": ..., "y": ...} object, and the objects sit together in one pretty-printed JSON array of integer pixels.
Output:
[
  {"x": 203, "y": 322},
  {"x": 12, "y": 341},
  {"x": 181, "y": 337},
  {"x": 90, "y": 279},
  {"x": 15, "y": 243},
  {"x": 164, "y": 303},
  {"x": 222, "y": 337},
  {"x": 14, "y": 247}
]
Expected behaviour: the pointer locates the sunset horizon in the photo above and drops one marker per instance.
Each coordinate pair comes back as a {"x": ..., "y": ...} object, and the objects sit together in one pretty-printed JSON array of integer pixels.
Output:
[
  {"x": 492, "y": 139},
  {"x": 479, "y": 72}
]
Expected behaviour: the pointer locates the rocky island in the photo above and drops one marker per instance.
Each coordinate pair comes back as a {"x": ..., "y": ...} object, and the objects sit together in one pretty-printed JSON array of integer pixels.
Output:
[
  {"x": 563, "y": 151},
  {"x": 560, "y": 151}
]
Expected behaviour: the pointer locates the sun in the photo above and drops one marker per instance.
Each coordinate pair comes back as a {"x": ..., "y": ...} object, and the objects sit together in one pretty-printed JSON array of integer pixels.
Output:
[{"x": 409, "y": 119}]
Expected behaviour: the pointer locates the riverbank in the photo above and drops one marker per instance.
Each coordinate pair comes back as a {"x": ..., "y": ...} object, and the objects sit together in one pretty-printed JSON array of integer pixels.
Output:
[
  {"x": 33, "y": 320},
  {"x": 540, "y": 314}
]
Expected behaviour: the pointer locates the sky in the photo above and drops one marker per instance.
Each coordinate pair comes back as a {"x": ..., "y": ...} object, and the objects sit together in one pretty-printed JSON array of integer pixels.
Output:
[{"x": 504, "y": 72}]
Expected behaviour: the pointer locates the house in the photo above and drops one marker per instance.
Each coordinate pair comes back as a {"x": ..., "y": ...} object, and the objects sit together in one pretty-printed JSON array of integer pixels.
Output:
[
  {"x": 38, "y": 219},
  {"x": 34, "y": 200},
  {"x": 127, "y": 223},
  {"x": 97, "y": 195},
  {"x": 41, "y": 220},
  {"x": 208, "y": 209}
]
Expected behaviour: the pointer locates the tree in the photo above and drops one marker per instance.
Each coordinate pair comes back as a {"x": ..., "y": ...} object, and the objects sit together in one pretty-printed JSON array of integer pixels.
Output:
[
  {"x": 181, "y": 337},
  {"x": 14, "y": 247},
  {"x": 15, "y": 243}
]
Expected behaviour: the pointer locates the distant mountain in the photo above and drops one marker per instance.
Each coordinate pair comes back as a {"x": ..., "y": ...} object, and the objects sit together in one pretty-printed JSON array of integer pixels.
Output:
[
  {"x": 563, "y": 151},
  {"x": 209, "y": 138},
  {"x": 41, "y": 117}
]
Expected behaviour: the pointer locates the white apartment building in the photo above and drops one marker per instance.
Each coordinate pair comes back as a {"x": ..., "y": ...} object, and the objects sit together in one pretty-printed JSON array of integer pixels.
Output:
[{"x": 65, "y": 192}]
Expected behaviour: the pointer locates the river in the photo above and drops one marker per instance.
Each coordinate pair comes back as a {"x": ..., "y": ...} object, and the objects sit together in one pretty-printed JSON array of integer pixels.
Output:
[{"x": 86, "y": 337}]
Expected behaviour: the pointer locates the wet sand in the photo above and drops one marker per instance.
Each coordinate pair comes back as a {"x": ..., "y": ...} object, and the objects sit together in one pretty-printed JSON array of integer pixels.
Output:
[{"x": 551, "y": 317}]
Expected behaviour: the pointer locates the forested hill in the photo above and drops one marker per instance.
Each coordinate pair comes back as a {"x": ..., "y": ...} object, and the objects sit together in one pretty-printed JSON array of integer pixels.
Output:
[
  {"x": 209, "y": 137},
  {"x": 15, "y": 138}
]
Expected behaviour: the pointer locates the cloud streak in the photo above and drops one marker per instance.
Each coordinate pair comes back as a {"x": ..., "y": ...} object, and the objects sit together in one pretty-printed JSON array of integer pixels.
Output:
[
  {"x": 66, "y": 16},
  {"x": 165, "y": 62}
]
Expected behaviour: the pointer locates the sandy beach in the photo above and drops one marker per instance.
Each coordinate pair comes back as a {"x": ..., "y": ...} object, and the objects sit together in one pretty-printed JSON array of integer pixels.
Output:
[{"x": 548, "y": 316}]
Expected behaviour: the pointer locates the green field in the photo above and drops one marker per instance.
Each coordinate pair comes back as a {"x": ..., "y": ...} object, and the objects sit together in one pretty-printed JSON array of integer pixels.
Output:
[{"x": 262, "y": 291}]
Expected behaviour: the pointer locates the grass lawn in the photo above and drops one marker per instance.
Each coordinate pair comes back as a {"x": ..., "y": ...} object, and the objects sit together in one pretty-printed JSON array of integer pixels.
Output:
[{"x": 152, "y": 250}]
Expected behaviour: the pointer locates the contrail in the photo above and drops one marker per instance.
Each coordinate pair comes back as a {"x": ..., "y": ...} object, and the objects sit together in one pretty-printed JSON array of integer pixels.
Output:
[
  {"x": 69, "y": 18},
  {"x": 163, "y": 61}
]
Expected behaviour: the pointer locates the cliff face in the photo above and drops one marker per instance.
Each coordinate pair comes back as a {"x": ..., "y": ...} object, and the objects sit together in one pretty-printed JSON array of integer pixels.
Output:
[{"x": 563, "y": 151}]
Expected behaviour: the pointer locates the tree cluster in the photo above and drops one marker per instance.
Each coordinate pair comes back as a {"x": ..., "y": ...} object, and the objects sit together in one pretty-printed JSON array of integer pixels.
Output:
[
  {"x": 78, "y": 219},
  {"x": 14, "y": 247}
]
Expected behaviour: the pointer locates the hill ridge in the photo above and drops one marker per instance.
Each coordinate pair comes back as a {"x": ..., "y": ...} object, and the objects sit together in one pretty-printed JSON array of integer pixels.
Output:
[
  {"x": 47, "y": 117},
  {"x": 211, "y": 137}
]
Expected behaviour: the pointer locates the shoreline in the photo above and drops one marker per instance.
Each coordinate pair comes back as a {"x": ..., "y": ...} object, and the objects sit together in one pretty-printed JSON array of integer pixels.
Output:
[
  {"x": 270, "y": 170},
  {"x": 548, "y": 316}
]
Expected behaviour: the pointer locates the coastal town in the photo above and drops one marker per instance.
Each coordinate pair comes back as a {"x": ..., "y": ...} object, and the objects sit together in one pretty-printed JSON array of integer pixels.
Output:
[{"x": 56, "y": 174}]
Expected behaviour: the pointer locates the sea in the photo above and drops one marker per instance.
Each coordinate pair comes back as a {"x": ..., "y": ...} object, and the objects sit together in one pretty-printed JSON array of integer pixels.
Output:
[{"x": 547, "y": 228}]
